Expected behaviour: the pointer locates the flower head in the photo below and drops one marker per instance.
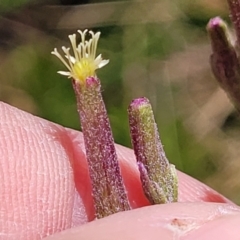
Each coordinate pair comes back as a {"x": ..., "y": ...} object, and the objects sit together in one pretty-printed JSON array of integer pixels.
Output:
[{"x": 84, "y": 62}]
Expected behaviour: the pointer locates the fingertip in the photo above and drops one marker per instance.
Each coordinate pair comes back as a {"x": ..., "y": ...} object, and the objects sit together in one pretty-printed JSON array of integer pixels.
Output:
[{"x": 167, "y": 221}]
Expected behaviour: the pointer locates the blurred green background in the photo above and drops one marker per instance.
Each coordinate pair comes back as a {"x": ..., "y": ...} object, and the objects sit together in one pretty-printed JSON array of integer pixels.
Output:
[{"x": 157, "y": 48}]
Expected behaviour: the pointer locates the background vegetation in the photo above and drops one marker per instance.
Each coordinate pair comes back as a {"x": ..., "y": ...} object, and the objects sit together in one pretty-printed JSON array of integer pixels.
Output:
[{"x": 158, "y": 49}]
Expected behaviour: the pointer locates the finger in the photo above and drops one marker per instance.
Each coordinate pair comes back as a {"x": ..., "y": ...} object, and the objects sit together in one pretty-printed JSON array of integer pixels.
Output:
[
  {"x": 169, "y": 221},
  {"x": 37, "y": 194},
  {"x": 45, "y": 182}
]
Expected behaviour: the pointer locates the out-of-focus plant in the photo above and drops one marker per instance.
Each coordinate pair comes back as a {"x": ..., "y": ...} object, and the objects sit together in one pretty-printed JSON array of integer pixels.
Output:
[{"x": 225, "y": 57}]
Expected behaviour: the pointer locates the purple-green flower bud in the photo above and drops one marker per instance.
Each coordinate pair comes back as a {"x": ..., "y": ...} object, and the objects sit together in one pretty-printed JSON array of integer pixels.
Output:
[
  {"x": 158, "y": 176},
  {"x": 224, "y": 60},
  {"x": 219, "y": 36}
]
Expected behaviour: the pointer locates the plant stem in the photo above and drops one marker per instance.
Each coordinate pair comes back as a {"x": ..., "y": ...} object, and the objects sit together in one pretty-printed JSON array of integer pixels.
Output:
[{"x": 107, "y": 184}]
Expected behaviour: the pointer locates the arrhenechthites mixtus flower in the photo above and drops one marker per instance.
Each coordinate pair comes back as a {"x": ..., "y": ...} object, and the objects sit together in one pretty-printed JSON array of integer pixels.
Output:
[
  {"x": 158, "y": 176},
  {"x": 84, "y": 62},
  {"x": 108, "y": 190}
]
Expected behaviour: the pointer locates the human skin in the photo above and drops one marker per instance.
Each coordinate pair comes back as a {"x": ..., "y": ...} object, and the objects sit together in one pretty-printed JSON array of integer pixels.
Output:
[{"x": 45, "y": 189}]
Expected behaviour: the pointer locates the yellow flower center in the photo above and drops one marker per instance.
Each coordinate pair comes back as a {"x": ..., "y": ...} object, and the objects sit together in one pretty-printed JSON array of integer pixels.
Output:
[
  {"x": 83, "y": 69},
  {"x": 84, "y": 62}
]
